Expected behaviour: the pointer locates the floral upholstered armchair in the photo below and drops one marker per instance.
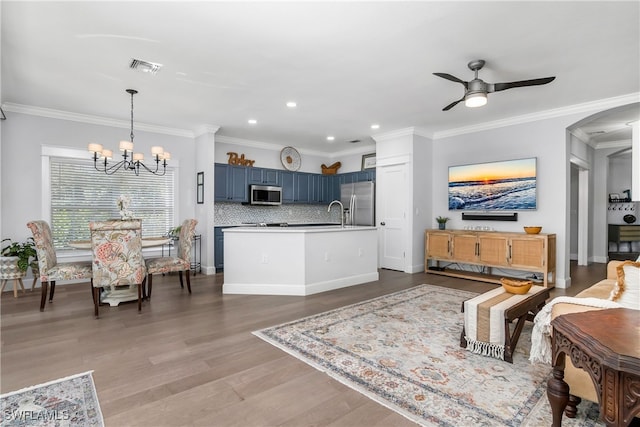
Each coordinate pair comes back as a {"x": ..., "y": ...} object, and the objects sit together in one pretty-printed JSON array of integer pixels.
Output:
[
  {"x": 117, "y": 257},
  {"x": 181, "y": 262},
  {"x": 50, "y": 269}
]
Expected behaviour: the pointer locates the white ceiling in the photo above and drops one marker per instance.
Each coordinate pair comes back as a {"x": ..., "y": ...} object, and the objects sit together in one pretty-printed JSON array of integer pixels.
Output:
[{"x": 347, "y": 64}]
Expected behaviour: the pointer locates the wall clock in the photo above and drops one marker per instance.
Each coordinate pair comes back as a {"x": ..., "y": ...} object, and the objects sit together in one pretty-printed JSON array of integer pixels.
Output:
[{"x": 290, "y": 158}]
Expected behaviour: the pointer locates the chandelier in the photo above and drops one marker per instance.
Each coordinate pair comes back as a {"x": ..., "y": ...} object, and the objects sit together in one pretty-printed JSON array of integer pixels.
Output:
[{"x": 131, "y": 161}]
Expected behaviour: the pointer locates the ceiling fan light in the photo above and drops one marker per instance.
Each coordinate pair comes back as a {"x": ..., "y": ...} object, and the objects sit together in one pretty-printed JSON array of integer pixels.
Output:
[{"x": 474, "y": 100}]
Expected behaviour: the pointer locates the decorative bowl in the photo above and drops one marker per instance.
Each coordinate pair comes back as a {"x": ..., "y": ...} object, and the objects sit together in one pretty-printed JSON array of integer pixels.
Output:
[
  {"x": 517, "y": 287},
  {"x": 532, "y": 230}
]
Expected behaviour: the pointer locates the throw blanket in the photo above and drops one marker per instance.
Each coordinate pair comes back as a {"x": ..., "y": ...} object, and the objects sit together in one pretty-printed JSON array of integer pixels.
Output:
[
  {"x": 541, "y": 334},
  {"x": 484, "y": 323}
]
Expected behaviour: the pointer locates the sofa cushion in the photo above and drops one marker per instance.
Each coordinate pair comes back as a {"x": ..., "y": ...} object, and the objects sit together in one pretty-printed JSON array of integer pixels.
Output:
[
  {"x": 627, "y": 288},
  {"x": 602, "y": 289}
]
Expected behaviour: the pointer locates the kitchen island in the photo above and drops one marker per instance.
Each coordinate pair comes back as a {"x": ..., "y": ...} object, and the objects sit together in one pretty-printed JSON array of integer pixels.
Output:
[{"x": 298, "y": 260}]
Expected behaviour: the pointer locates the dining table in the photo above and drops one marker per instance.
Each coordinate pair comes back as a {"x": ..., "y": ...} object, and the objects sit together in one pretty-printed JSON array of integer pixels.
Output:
[{"x": 113, "y": 297}]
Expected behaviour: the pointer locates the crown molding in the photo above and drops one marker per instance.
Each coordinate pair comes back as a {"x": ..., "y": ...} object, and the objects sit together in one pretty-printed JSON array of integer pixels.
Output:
[
  {"x": 582, "y": 136},
  {"x": 395, "y": 134},
  {"x": 278, "y": 147},
  {"x": 602, "y": 104},
  {"x": 206, "y": 129},
  {"x": 623, "y": 143},
  {"x": 94, "y": 120}
]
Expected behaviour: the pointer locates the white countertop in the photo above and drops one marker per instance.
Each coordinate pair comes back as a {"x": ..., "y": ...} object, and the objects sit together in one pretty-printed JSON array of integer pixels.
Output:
[{"x": 298, "y": 229}]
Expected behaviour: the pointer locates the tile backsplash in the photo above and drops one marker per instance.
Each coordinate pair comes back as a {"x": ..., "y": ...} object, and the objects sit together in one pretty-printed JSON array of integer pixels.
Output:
[{"x": 237, "y": 213}]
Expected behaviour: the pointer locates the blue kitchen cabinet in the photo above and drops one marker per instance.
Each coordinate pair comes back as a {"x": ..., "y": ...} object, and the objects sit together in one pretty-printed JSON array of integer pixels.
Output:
[
  {"x": 263, "y": 176},
  {"x": 230, "y": 183},
  {"x": 303, "y": 187},
  {"x": 288, "y": 186},
  {"x": 324, "y": 188},
  {"x": 218, "y": 237}
]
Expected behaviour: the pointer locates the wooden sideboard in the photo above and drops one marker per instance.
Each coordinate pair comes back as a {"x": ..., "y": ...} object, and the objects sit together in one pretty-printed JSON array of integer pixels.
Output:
[{"x": 535, "y": 253}]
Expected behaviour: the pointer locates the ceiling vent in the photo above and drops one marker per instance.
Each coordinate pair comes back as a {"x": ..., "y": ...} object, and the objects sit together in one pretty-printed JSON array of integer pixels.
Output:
[
  {"x": 354, "y": 141},
  {"x": 144, "y": 66}
]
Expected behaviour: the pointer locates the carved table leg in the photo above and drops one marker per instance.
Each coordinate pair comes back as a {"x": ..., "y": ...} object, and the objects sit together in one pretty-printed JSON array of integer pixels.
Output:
[
  {"x": 572, "y": 409},
  {"x": 558, "y": 392}
]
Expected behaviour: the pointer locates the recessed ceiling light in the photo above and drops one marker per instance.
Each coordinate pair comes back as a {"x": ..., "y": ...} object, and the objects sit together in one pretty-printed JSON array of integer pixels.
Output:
[
  {"x": 291, "y": 104},
  {"x": 375, "y": 126},
  {"x": 331, "y": 138},
  {"x": 252, "y": 121}
]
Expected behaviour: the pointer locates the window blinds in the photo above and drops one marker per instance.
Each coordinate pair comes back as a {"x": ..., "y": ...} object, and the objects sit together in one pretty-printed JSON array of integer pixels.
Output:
[{"x": 80, "y": 194}]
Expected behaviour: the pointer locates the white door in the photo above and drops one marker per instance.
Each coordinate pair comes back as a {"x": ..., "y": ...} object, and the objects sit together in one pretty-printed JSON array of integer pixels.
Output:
[{"x": 392, "y": 222}]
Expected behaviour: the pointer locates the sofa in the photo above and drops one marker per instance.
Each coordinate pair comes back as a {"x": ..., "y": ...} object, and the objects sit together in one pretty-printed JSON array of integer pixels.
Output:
[{"x": 621, "y": 286}]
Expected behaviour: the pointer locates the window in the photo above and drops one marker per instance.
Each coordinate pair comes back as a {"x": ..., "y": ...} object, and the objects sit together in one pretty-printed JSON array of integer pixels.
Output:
[{"x": 80, "y": 194}]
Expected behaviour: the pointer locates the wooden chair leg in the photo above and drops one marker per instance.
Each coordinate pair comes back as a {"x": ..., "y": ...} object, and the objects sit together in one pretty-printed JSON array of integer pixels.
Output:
[
  {"x": 4, "y": 283},
  {"x": 140, "y": 296},
  {"x": 43, "y": 298},
  {"x": 180, "y": 275},
  {"x": 188, "y": 280},
  {"x": 96, "y": 300},
  {"x": 149, "y": 285},
  {"x": 53, "y": 289},
  {"x": 144, "y": 288},
  {"x": 93, "y": 295}
]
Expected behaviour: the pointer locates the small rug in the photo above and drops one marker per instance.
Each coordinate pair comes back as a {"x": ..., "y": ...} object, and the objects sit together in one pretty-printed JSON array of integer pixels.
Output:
[
  {"x": 403, "y": 351},
  {"x": 70, "y": 401}
]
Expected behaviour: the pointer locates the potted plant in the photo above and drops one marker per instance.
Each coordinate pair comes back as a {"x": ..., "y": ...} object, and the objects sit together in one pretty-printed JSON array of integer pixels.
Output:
[
  {"x": 174, "y": 233},
  {"x": 442, "y": 222},
  {"x": 22, "y": 251},
  {"x": 14, "y": 259}
]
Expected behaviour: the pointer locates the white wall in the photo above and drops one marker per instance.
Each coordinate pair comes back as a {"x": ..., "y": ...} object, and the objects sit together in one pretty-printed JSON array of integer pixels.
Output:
[
  {"x": 619, "y": 176},
  {"x": 24, "y": 135},
  {"x": 268, "y": 155},
  {"x": 544, "y": 139}
]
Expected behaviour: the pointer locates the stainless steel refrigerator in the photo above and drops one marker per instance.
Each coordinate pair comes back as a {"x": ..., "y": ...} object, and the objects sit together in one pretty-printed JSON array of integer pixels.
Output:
[{"x": 358, "y": 200}]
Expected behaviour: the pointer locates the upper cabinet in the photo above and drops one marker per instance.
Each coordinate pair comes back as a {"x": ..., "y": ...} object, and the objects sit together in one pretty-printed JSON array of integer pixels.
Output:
[
  {"x": 232, "y": 183},
  {"x": 264, "y": 176}
]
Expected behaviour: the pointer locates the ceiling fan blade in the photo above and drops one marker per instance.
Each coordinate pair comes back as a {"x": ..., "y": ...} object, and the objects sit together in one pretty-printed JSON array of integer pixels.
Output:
[
  {"x": 453, "y": 104},
  {"x": 534, "y": 82},
  {"x": 452, "y": 78}
]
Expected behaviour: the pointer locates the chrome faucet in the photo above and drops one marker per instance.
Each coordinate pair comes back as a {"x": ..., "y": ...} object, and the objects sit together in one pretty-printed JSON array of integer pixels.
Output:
[{"x": 341, "y": 211}]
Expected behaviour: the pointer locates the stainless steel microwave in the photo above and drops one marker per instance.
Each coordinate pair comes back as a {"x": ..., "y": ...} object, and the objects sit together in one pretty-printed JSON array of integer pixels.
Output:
[{"x": 265, "y": 195}]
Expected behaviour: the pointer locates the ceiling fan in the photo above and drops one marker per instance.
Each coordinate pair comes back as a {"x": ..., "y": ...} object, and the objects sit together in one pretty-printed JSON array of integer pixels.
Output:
[{"x": 475, "y": 94}]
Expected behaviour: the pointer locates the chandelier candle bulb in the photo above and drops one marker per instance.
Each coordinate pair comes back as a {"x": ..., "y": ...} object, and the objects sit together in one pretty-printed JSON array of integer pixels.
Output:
[
  {"x": 156, "y": 150},
  {"x": 138, "y": 157},
  {"x": 107, "y": 154},
  {"x": 95, "y": 148},
  {"x": 166, "y": 156},
  {"x": 126, "y": 146}
]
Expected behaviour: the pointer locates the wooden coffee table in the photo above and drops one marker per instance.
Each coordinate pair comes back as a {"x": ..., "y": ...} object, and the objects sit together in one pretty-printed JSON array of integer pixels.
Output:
[
  {"x": 522, "y": 311},
  {"x": 606, "y": 344}
]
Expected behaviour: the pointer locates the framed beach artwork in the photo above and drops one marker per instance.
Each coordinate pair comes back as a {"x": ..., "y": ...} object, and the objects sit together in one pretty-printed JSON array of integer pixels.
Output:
[
  {"x": 369, "y": 161},
  {"x": 494, "y": 186}
]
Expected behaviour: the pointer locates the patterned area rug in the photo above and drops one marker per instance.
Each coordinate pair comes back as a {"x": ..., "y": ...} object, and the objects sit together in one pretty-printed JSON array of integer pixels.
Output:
[
  {"x": 70, "y": 401},
  {"x": 403, "y": 351}
]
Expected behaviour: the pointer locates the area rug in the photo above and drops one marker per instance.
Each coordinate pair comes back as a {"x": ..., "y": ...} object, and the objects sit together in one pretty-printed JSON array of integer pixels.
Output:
[
  {"x": 403, "y": 351},
  {"x": 70, "y": 401}
]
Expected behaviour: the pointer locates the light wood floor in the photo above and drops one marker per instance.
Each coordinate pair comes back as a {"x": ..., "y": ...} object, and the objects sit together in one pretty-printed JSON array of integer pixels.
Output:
[{"x": 192, "y": 360}]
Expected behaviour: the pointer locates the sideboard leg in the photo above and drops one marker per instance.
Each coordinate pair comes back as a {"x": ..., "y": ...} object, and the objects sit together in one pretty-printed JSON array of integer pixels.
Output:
[{"x": 558, "y": 392}]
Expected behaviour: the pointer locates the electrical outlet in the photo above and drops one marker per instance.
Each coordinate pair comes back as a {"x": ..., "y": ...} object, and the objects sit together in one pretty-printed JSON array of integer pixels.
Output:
[
  {"x": 265, "y": 259},
  {"x": 326, "y": 257}
]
